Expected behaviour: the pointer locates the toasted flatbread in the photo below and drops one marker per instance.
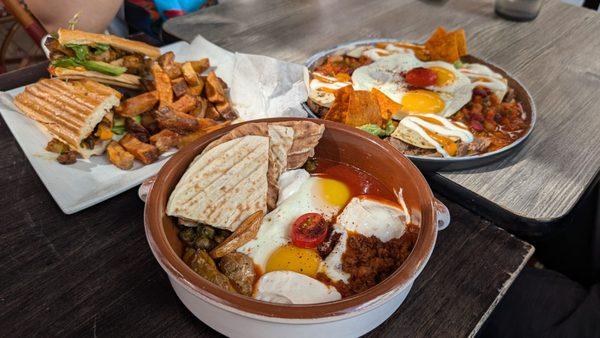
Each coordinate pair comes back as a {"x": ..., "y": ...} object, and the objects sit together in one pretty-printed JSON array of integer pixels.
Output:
[
  {"x": 410, "y": 136},
  {"x": 290, "y": 145},
  {"x": 306, "y": 137},
  {"x": 224, "y": 185},
  {"x": 124, "y": 80},
  {"x": 256, "y": 129},
  {"x": 281, "y": 139},
  {"x": 72, "y": 36}
]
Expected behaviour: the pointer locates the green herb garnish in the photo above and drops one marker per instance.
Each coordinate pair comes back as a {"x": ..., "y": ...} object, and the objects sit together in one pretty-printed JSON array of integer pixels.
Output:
[
  {"x": 137, "y": 119},
  {"x": 458, "y": 64}
]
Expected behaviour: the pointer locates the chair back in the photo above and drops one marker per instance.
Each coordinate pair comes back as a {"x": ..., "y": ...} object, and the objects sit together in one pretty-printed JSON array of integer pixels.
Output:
[{"x": 27, "y": 21}]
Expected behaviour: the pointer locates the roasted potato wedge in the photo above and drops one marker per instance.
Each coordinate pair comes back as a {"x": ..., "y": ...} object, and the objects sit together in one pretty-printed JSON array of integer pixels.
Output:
[
  {"x": 144, "y": 152},
  {"x": 118, "y": 156},
  {"x": 162, "y": 82},
  {"x": 138, "y": 104}
]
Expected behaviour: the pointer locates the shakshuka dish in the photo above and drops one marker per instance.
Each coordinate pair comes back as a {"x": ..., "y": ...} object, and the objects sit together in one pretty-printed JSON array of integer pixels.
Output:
[
  {"x": 261, "y": 216},
  {"x": 421, "y": 98}
]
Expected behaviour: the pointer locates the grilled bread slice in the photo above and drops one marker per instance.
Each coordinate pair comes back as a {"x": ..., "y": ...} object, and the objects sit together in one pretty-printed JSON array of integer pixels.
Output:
[{"x": 69, "y": 111}]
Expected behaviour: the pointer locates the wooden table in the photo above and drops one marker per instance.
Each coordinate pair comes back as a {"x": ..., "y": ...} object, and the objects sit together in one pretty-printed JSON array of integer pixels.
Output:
[
  {"x": 92, "y": 273},
  {"x": 554, "y": 56}
]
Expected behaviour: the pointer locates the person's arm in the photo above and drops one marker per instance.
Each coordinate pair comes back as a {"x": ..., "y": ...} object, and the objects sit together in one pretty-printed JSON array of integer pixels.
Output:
[{"x": 94, "y": 16}]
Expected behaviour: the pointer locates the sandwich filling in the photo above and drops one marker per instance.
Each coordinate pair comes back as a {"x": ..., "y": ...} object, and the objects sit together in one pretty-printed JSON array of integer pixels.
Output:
[{"x": 104, "y": 54}]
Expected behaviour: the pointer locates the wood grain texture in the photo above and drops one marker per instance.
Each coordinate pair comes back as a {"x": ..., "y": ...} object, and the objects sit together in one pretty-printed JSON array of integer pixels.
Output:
[
  {"x": 92, "y": 273},
  {"x": 554, "y": 56}
]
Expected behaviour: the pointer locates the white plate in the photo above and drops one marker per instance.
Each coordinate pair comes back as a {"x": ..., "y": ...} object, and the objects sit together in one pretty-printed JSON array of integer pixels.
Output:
[
  {"x": 87, "y": 182},
  {"x": 74, "y": 187}
]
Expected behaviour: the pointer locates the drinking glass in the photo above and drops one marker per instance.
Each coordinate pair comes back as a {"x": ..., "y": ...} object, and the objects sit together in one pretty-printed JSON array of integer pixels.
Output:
[{"x": 518, "y": 10}]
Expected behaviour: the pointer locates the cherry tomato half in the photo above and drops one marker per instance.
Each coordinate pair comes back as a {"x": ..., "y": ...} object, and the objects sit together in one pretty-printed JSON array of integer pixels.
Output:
[
  {"x": 421, "y": 77},
  {"x": 309, "y": 230}
]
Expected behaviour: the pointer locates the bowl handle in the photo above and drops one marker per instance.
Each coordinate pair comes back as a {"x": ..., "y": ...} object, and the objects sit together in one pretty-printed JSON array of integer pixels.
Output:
[
  {"x": 145, "y": 188},
  {"x": 442, "y": 215}
]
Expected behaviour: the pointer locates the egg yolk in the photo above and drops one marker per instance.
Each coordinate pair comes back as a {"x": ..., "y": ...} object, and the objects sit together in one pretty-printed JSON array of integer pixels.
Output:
[
  {"x": 293, "y": 258},
  {"x": 333, "y": 192},
  {"x": 444, "y": 76},
  {"x": 422, "y": 101}
]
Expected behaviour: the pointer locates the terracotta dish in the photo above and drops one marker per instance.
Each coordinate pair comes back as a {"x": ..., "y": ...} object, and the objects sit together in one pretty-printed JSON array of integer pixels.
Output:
[{"x": 237, "y": 315}]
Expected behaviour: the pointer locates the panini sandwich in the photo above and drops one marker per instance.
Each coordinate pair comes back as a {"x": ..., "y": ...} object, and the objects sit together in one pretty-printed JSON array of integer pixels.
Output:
[
  {"x": 105, "y": 58},
  {"x": 76, "y": 113}
]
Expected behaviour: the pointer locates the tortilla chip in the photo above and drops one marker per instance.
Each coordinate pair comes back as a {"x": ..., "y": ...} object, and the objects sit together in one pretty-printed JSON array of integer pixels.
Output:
[
  {"x": 281, "y": 139},
  {"x": 443, "y": 46},
  {"x": 225, "y": 185},
  {"x": 363, "y": 109},
  {"x": 461, "y": 41},
  {"x": 387, "y": 106},
  {"x": 338, "y": 112}
]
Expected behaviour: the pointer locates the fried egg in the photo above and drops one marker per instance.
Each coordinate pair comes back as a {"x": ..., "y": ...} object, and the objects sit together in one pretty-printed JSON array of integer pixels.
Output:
[
  {"x": 322, "y": 89},
  {"x": 376, "y": 53},
  {"x": 367, "y": 216},
  {"x": 271, "y": 249},
  {"x": 450, "y": 93},
  {"x": 289, "y": 287},
  {"x": 481, "y": 75}
]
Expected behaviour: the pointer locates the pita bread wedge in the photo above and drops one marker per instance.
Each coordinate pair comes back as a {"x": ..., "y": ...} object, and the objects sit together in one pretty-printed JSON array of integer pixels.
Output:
[
  {"x": 256, "y": 129},
  {"x": 281, "y": 139},
  {"x": 306, "y": 137},
  {"x": 224, "y": 185},
  {"x": 280, "y": 142}
]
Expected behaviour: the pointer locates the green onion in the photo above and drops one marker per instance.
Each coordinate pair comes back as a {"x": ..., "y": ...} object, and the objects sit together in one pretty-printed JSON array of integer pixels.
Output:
[
  {"x": 65, "y": 62},
  {"x": 137, "y": 119},
  {"x": 103, "y": 67},
  {"x": 80, "y": 59},
  {"x": 100, "y": 48}
]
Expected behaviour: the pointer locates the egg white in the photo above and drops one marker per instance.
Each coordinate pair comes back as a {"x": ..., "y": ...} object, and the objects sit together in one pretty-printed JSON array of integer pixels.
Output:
[
  {"x": 481, "y": 75},
  {"x": 290, "y": 287},
  {"x": 276, "y": 226}
]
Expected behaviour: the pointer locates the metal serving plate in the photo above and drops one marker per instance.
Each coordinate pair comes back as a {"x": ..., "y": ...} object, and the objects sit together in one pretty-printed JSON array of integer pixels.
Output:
[{"x": 427, "y": 163}]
